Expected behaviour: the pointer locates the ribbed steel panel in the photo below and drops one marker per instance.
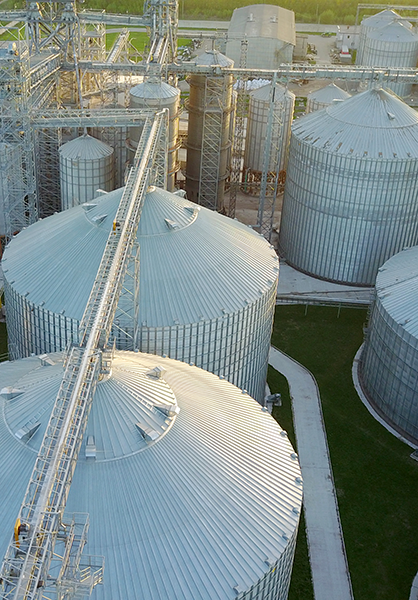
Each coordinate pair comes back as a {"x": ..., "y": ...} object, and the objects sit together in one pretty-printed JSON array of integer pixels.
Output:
[
  {"x": 351, "y": 190},
  {"x": 211, "y": 506},
  {"x": 207, "y": 285},
  {"x": 393, "y": 45},
  {"x": 259, "y": 108},
  {"x": 376, "y": 22},
  {"x": 389, "y": 363},
  {"x": 159, "y": 95},
  {"x": 325, "y": 97},
  {"x": 86, "y": 165},
  {"x": 11, "y": 171}
]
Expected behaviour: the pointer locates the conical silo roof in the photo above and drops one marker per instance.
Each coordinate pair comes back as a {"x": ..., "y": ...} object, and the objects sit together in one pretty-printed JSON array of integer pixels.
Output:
[
  {"x": 154, "y": 90},
  {"x": 213, "y": 57},
  {"x": 263, "y": 93},
  {"x": 382, "y": 18},
  {"x": 221, "y": 487},
  {"x": 374, "y": 124},
  {"x": 393, "y": 32},
  {"x": 195, "y": 263},
  {"x": 85, "y": 147},
  {"x": 329, "y": 93}
]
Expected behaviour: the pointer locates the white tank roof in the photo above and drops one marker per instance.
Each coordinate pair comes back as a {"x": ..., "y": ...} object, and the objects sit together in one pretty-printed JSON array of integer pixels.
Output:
[
  {"x": 393, "y": 32},
  {"x": 382, "y": 18},
  {"x": 375, "y": 124},
  {"x": 154, "y": 90},
  {"x": 329, "y": 93},
  {"x": 263, "y": 93},
  {"x": 213, "y": 57},
  {"x": 212, "y": 504},
  {"x": 397, "y": 289},
  {"x": 85, "y": 147},
  {"x": 195, "y": 263}
]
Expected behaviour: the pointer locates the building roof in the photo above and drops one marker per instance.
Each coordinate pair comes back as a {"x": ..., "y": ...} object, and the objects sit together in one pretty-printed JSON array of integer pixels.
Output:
[
  {"x": 374, "y": 124},
  {"x": 210, "y": 505},
  {"x": 263, "y": 20},
  {"x": 85, "y": 147},
  {"x": 329, "y": 93},
  {"x": 397, "y": 289},
  {"x": 195, "y": 263}
]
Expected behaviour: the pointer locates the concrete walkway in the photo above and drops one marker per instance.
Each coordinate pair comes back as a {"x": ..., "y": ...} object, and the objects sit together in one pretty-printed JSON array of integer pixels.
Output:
[{"x": 330, "y": 575}]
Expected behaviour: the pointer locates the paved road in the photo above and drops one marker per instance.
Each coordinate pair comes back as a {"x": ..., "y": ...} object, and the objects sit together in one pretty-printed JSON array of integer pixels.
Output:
[{"x": 330, "y": 575}]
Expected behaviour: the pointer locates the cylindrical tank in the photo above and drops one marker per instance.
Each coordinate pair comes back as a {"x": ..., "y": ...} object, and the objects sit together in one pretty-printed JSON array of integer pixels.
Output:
[
  {"x": 374, "y": 22},
  {"x": 389, "y": 361},
  {"x": 192, "y": 490},
  {"x": 157, "y": 95},
  {"x": 324, "y": 97},
  {"x": 393, "y": 45},
  {"x": 351, "y": 191},
  {"x": 12, "y": 201},
  {"x": 258, "y": 116},
  {"x": 86, "y": 165},
  {"x": 208, "y": 141},
  {"x": 207, "y": 285}
]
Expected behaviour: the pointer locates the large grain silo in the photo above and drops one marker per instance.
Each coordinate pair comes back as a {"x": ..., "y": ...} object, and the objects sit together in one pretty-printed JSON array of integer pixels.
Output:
[
  {"x": 193, "y": 491},
  {"x": 207, "y": 285},
  {"x": 258, "y": 118},
  {"x": 12, "y": 196},
  {"x": 373, "y": 23},
  {"x": 351, "y": 191},
  {"x": 393, "y": 45},
  {"x": 157, "y": 95},
  {"x": 324, "y": 97},
  {"x": 86, "y": 165},
  {"x": 208, "y": 141},
  {"x": 389, "y": 362}
]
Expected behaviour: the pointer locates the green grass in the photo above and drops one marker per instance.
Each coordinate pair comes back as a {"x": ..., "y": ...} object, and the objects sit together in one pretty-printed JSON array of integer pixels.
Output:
[{"x": 376, "y": 480}]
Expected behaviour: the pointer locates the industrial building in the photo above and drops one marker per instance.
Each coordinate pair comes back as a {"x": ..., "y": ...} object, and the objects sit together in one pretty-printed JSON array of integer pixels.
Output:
[
  {"x": 324, "y": 97},
  {"x": 193, "y": 490},
  {"x": 350, "y": 200},
  {"x": 389, "y": 361},
  {"x": 205, "y": 292},
  {"x": 269, "y": 31}
]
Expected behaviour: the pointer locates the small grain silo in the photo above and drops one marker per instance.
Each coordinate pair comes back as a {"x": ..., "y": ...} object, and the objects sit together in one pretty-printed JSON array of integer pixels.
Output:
[
  {"x": 208, "y": 141},
  {"x": 393, "y": 45},
  {"x": 156, "y": 94},
  {"x": 258, "y": 118},
  {"x": 373, "y": 23},
  {"x": 207, "y": 285},
  {"x": 86, "y": 165},
  {"x": 324, "y": 97},
  {"x": 389, "y": 361},
  {"x": 193, "y": 491},
  {"x": 351, "y": 191}
]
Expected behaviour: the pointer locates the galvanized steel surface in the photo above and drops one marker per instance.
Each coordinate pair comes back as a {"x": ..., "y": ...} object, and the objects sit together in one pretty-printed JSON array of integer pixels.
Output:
[
  {"x": 374, "y": 22},
  {"x": 207, "y": 285},
  {"x": 389, "y": 363},
  {"x": 86, "y": 165},
  {"x": 351, "y": 190},
  {"x": 169, "y": 527},
  {"x": 284, "y": 103},
  {"x": 324, "y": 97}
]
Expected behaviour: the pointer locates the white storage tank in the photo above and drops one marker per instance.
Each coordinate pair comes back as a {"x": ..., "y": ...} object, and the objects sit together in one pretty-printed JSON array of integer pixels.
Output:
[
  {"x": 207, "y": 285},
  {"x": 389, "y": 361},
  {"x": 393, "y": 45},
  {"x": 325, "y": 97},
  {"x": 86, "y": 165},
  {"x": 351, "y": 196},
  {"x": 258, "y": 116},
  {"x": 373, "y": 23},
  {"x": 156, "y": 95},
  {"x": 208, "y": 138}
]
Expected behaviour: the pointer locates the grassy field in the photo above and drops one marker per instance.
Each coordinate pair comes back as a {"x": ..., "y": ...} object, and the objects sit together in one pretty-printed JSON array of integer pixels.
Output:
[{"x": 376, "y": 480}]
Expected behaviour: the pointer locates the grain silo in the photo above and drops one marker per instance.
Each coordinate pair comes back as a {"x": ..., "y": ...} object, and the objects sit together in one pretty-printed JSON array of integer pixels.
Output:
[
  {"x": 12, "y": 195},
  {"x": 207, "y": 285},
  {"x": 389, "y": 362},
  {"x": 258, "y": 118},
  {"x": 351, "y": 191},
  {"x": 324, "y": 97},
  {"x": 156, "y": 95},
  {"x": 86, "y": 165},
  {"x": 193, "y": 491},
  {"x": 208, "y": 141},
  {"x": 393, "y": 45},
  {"x": 373, "y": 23}
]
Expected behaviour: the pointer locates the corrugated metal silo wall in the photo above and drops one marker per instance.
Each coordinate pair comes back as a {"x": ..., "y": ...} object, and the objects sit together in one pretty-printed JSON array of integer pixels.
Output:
[
  {"x": 257, "y": 131},
  {"x": 389, "y": 370},
  {"x": 313, "y": 105},
  {"x": 344, "y": 216},
  {"x": 12, "y": 200},
  {"x": 235, "y": 345}
]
